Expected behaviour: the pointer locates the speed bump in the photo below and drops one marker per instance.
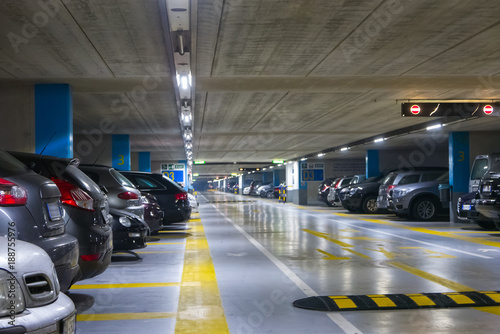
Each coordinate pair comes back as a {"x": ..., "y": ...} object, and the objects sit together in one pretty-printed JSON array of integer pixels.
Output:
[{"x": 400, "y": 301}]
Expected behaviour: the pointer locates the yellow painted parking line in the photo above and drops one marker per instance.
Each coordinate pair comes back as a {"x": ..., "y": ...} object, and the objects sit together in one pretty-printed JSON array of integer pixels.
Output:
[
  {"x": 477, "y": 232},
  {"x": 123, "y": 285},
  {"x": 164, "y": 243},
  {"x": 357, "y": 253},
  {"x": 125, "y": 316},
  {"x": 194, "y": 220},
  {"x": 200, "y": 308},
  {"x": 171, "y": 236},
  {"x": 480, "y": 241},
  {"x": 327, "y": 237},
  {"x": 421, "y": 300}
]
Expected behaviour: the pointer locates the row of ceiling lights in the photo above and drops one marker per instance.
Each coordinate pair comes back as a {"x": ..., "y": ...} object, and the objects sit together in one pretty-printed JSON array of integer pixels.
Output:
[{"x": 178, "y": 12}]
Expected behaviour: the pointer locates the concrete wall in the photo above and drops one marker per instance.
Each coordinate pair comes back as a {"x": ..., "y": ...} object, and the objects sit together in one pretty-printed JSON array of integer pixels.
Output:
[
  {"x": 93, "y": 149},
  {"x": 17, "y": 128},
  {"x": 396, "y": 159},
  {"x": 483, "y": 143}
]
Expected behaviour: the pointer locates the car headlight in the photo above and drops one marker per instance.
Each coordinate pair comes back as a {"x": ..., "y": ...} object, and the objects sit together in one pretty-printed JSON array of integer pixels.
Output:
[
  {"x": 353, "y": 191},
  {"x": 11, "y": 295},
  {"x": 125, "y": 221}
]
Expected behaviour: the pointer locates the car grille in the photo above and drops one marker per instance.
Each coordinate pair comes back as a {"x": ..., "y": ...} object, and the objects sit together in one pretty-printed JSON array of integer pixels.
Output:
[{"x": 39, "y": 286}]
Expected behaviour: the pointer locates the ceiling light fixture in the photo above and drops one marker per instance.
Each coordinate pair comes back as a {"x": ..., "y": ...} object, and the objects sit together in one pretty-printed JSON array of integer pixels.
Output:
[
  {"x": 344, "y": 149},
  {"x": 321, "y": 155},
  {"x": 379, "y": 140},
  {"x": 434, "y": 127}
]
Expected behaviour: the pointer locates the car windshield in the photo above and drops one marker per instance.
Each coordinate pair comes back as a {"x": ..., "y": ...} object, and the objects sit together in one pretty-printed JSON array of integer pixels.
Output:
[
  {"x": 480, "y": 167},
  {"x": 11, "y": 166},
  {"x": 121, "y": 179}
]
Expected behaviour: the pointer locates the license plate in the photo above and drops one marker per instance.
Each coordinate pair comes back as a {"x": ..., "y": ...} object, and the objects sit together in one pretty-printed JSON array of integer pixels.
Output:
[
  {"x": 55, "y": 212},
  {"x": 487, "y": 189},
  {"x": 69, "y": 324},
  {"x": 466, "y": 207}
]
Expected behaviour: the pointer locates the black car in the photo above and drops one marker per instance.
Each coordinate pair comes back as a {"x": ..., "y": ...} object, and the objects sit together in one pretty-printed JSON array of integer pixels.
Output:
[
  {"x": 488, "y": 203},
  {"x": 466, "y": 210},
  {"x": 153, "y": 215},
  {"x": 86, "y": 207},
  {"x": 31, "y": 211},
  {"x": 129, "y": 230},
  {"x": 362, "y": 196},
  {"x": 172, "y": 199}
]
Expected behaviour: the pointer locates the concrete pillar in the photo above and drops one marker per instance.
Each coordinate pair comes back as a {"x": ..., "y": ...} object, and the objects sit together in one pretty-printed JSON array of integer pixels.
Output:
[
  {"x": 121, "y": 152},
  {"x": 458, "y": 153},
  {"x": 240, "y": 184},
  {"x": 54, "y": 120},
  {"x": 300, "y": 196},
  {"x": 145, "y": 161},
  {"x": 372, "y": 163}
]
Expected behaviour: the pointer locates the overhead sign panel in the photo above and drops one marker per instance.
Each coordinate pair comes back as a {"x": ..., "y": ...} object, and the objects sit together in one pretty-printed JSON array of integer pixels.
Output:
[{"x": 462, "y": 110}]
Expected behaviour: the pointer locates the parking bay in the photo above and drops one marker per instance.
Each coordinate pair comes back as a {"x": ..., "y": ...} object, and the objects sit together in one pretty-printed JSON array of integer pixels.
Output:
[{"x": 246, "y": 260}]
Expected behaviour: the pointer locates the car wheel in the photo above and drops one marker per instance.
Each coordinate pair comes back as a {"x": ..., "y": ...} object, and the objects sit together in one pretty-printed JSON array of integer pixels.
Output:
[
  {"x": 484, "y": 224},
  {"x": 369, "y": 204},
  {"x": 424, "y": 209},
  {"x": 330, "y": 204},
  {"x": 270, "y": 194}
]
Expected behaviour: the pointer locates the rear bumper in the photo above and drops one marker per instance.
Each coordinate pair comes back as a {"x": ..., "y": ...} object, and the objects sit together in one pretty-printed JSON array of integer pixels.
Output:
[{"x": 129, "y": 238}]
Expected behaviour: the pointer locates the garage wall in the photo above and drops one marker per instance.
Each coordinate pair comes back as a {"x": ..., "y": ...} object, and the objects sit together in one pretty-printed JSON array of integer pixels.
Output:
[
  {"x": 414, "y": 158},
  {"x": 90, "y": 149},
  {"x": 17, "y": 129},
  {"x": 483, "y": 143}
]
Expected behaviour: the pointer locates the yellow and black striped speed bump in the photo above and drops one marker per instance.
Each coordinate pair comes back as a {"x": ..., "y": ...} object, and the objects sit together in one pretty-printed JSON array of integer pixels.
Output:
[
  {"x": 231, "y": 201},
  {"x": 400, "y": 301}
]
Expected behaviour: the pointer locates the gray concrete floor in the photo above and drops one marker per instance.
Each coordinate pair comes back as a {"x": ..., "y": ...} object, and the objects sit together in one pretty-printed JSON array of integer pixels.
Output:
[{"x": 266, "y": 255}]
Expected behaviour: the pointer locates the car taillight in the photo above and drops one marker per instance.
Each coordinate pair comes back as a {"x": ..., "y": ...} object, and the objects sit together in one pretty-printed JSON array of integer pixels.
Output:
[
  {"x": 12, "y": 194},
  {"x": 181, "y": 196},
  {"x": 91, "y": 257},
  {"x": 73, "y": 196},
  {"x": 325, "y": 187},
  {"x": 389, "y": 188},
  {"x": 128, "y": 195}
]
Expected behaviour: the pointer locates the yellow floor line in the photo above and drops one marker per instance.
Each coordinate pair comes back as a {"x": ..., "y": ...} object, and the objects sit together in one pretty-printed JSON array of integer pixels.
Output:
[
  {"x": 200, "y": 308},
  {"x": 125, "y": 316},
  {"x": 476, "y": 240},
  {"x": 164, "y": 243},
  {"x": 444, "y": 282}
]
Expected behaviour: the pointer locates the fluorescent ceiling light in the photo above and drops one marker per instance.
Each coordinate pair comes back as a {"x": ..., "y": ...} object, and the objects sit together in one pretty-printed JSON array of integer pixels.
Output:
[
  {"x": 378, "y": 140},
  {"x": 344, "y": 149},
  {"x": 321, "y": 155},
  {"x": 303, "y": 159},
  {"x": 433, "y": 127},
  {"x": 271, "y": 167}
]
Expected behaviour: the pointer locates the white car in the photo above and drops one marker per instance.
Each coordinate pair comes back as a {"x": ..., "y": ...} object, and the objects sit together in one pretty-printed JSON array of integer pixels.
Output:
[
  {"x": 30, "y": 299},
  {"x": 246, "y": 191},
  {"x": 193, "y": 202}
]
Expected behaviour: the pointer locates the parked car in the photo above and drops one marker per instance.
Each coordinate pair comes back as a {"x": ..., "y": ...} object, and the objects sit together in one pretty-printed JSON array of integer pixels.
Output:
[
  {"x": 129, "y": 230},
  {"x": 480, "y": 168},
  {"x": 332, "y": 198},
  {"x": 269, "y": 191},
  {"x": 193, "y": 202},
  {"x": 33, "y": 203},
  {"x": 363, "y": 196},
  {"x": 254, "y": 186},
  {"x": 153, "y": 214},
  {"x": 30, "y": 297},
  {"x": 86, "y": 207},
  {"x": 122, "y": 194},
  {"x": 466, "y": 210},
  {"x": 263, "y": 189},
  {"x": 246, "y": 190},
  {"x": 488, "y": 203},
  {"x": 324, "y": 188},
  {"x": 403, "y": 177},
  {"x": 172, "y": 198},
  {"x": 230, "y": 186},
  {"x": 420, "y": 200}
]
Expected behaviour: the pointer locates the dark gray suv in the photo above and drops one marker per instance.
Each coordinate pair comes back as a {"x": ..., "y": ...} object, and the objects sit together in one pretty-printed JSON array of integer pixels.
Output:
[{"x": 32, "y": 203}]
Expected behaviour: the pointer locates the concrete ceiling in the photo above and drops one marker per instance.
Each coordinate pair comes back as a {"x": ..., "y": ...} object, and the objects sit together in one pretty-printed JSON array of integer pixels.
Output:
[{"x": 273, "y": 78}]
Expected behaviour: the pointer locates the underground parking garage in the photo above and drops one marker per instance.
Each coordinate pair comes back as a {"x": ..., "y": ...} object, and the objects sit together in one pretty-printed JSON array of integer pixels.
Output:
[{"x": 175, "y": 166}]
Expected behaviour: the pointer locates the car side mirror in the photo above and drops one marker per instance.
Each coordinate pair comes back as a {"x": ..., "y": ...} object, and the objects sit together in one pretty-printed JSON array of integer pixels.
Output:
[{"x": 104, "y": 189}]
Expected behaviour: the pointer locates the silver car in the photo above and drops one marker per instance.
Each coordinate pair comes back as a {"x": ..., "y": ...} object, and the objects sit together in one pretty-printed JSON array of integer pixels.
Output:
[
  {"x": 30, "y": 300},
  {"x": 421, "y": 200},
  {"x": 122, "y": 194}
]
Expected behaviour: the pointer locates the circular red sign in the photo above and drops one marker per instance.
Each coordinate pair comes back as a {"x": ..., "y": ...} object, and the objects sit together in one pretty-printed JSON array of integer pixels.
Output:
[
  {"x": 488, "y": 109},
  {"x": 415, "y": 110}
]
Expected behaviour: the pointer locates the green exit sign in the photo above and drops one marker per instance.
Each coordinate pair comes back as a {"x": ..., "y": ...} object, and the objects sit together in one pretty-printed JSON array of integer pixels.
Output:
[
  {"x": 199, "y": 162},
  {"x": 278, "y": 161}
]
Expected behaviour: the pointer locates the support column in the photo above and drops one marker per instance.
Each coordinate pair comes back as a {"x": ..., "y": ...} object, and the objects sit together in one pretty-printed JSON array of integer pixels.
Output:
[
  {"x": 121, "y": 152},
  {"x": 372, "y": 163},
  {"x": 54, "y": 120},
  {"x": 240, "y": 184},
  {"x": 300, "y": 197},
  {"x": 145, "y": 161},
  {"x": 458, "y": 154},
  {"x": 276, "y": 178}
]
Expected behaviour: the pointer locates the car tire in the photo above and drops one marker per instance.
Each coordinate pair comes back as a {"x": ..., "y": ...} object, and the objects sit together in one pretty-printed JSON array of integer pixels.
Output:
[
  {"x": 369, "y": 204},
  {"x": 330, "y": 204},
  {"x": 424, "y": 209},
  {"x": 486, "y": 225},
  {"x": 270, "y": 194}
]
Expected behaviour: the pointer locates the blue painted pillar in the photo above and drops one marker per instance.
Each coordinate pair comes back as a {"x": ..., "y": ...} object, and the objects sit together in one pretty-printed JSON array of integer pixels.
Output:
[
  {"x": 145, "y": 161},
  {"x": 459, "y": 160},
  {"x": 276, "y": 178},
  {"x": 265, "y": 178},
  {"x": 372, "y": 163},
  {"x": 54, "y": 120},
  {"x": 120, "y": 147}
]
